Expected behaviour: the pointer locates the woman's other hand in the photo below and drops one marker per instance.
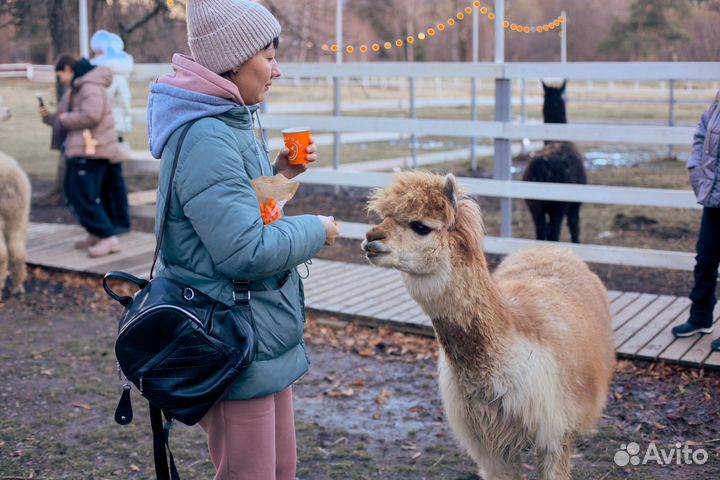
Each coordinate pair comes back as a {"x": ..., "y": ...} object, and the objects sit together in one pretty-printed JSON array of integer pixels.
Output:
[
  {"x": 332, "y": 230},
  {"x": 44, "y": 113},
  {"x": 292, "y": 171}
]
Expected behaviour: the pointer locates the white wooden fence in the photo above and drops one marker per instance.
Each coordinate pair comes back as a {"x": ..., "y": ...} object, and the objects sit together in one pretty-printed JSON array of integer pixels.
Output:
[{"x": 504, "y": 131}]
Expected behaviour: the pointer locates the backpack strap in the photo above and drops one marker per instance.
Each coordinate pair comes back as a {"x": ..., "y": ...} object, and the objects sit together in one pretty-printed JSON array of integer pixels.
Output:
[
  {"x": 161, "y": 437},
  {"x": 168, "y": 195}
]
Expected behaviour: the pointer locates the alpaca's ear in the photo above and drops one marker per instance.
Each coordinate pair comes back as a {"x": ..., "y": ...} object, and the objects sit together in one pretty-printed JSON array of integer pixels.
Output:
[
  {"x": 545, "y": 87},
  {"x": 562, "y": 88},
  {"x": 450, "y": 189}
]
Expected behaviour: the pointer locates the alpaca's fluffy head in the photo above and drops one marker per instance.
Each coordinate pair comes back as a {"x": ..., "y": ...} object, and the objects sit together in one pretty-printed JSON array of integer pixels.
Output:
[
  {"x": 4, "y": 111},
  {"x": 426, "y": 222}
]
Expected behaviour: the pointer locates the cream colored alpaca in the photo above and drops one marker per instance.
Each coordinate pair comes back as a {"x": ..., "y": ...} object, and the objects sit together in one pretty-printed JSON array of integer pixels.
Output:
[
  {"x": 14, "y": 213},
  {"x": 526, "y": 354}
]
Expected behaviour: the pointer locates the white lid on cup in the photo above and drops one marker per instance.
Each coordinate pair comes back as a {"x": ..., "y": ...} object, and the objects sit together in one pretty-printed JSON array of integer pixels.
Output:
[{"x": 295, "y": 130}]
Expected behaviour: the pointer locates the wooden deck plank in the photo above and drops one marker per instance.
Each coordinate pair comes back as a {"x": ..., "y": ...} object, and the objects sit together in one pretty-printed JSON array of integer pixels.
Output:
[
  {"x": 341, "y": 299},
  {"x": 641, "y": 322},
  {"x": 675, "y": 351},
  {"x": 653, "y": 328},
  {"x": 333, "y": 277},
  {"x": 139, "y": 260},
  {"x": 613, "y": 294},
  {"x": 381, "y": 305},
  {"x": 330, "y": 285},
  {"x": 713, "y": 361},
  {"x": 622, "y": 301},
  {"x": 633, "y": 309},
  {"x": 641, "y": 319},
  {"x": 321, "y": 268},
  {"x": 401, "y": 306},
  {"x": 350, "y": 295},
  {"x": 661, "y": 341},
  {"x": 412, "y": 313},
  {"x": 702, "y": 349}
]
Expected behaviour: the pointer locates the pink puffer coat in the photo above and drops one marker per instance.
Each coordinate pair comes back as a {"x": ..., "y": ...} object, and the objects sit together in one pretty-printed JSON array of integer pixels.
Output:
[{"x": 88, "y": 106}]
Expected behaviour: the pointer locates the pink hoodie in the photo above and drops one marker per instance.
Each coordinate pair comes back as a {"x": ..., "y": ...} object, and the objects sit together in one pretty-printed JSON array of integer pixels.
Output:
[{"x": 190, "y": 75}]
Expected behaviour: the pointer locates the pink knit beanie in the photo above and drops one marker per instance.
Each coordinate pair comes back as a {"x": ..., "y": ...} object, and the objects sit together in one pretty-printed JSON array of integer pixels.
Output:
[{"x": 223, "y": 34}]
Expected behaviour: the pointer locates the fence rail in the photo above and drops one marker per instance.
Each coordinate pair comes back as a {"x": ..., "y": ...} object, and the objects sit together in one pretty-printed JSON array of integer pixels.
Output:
[
  {"x": 505, "y": 131},
  {"x": 695, "y": 71}
]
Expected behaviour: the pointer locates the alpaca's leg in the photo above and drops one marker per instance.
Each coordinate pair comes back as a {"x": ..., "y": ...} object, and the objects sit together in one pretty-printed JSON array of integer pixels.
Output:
[
  {"x": 17, "y": 256},
  {"x": 573, "y": 217},
  {"x": 501, "y": 469},
  {"x": 554, "y": 464},
  {"x": 3, "y": 258},
  {"x": 537, "y": 211},
  {"x": 557, "y": 212}
]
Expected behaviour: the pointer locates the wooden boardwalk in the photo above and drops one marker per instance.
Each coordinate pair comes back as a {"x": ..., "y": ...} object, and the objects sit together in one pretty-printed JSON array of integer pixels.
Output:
[{"x": 641, "y": 321}]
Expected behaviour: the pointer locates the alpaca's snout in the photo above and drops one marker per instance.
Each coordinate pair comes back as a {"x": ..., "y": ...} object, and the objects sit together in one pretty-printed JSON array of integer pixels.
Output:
[
  {"x": 374, "y": 248},
  {"x": 372, "y": 245}
]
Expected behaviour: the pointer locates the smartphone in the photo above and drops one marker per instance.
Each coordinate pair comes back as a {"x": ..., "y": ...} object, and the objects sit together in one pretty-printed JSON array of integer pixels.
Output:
[{"x": 40, "y": 101}]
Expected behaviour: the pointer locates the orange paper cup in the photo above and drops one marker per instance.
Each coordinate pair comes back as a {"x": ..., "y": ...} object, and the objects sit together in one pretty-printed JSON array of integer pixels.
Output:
[{"x": 297, "y": 141}]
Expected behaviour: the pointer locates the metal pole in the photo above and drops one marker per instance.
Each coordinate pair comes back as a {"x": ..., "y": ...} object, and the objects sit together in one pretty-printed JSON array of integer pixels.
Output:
[
  {"x": 503, "y": 113},
  {"x": 523, "y": 109},
  {"x": 671, "y": 120},
  {"x": 474, "y": 86},
  {"x": 83, "y": 23},
  {"x": 499, "y": 31},
  {"x": 563, "y": 38},
  {"x": 337, "y": 80},
  {"x": 413, "y": 114}
]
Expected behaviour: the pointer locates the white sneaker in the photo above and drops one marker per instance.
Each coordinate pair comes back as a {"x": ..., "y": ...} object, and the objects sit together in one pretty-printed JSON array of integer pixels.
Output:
[{"x": 105, "y": 246}]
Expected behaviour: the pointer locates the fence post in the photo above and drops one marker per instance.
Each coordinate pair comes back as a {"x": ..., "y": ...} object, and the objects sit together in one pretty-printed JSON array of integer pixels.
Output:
[
  {"x": 474, "y": 87},
  {"x": 523, "y": 109},
  {"x": 413, "y": 137},
  {"x": 503, "y": 113},
  {"x": 671, "y": 119},
  {"x": 337, "y": 80}
]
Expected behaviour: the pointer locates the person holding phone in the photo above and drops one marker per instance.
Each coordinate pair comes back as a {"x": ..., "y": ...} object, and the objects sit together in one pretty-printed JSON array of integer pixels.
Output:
[{"x": 84, "y": 131}]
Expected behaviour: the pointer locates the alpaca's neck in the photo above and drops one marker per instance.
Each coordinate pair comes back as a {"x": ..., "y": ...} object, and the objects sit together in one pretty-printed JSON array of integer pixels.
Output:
[{"x": 469, "y": 317}]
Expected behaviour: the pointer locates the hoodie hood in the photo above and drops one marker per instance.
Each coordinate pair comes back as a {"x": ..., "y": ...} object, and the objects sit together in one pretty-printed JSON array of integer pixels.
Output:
[
  {"x": 120, "y": 63},
  {"x": 189, "y": 93},
  {"x": 98, "y": 75}
]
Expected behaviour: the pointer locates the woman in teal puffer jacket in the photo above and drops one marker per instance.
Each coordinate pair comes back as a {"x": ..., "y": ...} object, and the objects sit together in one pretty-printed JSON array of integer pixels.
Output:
[{"x": 215, "y": 233}]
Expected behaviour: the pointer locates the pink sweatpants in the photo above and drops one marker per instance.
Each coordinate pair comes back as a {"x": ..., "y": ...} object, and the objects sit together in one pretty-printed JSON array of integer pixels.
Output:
[{"x": 253, "y": 439}]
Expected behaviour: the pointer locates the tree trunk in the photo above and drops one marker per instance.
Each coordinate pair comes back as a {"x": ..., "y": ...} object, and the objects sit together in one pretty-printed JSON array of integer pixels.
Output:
[{"x": 56, "y": 23}]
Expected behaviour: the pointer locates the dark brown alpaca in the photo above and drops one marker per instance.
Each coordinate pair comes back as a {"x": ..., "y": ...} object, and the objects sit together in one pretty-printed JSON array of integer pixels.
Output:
[{"x": 557, "y": 162}]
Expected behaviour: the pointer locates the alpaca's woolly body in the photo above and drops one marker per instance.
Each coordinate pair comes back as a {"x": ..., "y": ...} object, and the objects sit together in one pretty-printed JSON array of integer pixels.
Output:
[
  {"x": 14, "y": 214},
  {"x": 526, "y": 353}
]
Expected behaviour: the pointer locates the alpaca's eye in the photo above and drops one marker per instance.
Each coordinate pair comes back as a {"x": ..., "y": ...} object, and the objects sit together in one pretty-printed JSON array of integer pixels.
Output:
[{"x": 420, "y": 229}]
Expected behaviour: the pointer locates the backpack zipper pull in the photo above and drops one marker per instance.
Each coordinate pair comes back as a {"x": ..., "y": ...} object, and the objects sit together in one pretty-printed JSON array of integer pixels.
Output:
[{"x": 123, "y": 412}]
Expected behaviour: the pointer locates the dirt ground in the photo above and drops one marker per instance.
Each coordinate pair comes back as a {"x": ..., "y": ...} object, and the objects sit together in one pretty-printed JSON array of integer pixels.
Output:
[{"x": 368, "y": 408}]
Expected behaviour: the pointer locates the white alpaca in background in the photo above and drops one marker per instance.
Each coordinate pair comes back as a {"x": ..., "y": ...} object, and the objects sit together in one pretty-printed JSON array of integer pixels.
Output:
[{"x": 14, "y": 215}]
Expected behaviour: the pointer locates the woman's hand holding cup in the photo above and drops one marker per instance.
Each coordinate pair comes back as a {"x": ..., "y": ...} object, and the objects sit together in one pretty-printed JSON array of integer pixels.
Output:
[
  {"x": 332, "y": 230},
  {"x": 298, "y": 153}
]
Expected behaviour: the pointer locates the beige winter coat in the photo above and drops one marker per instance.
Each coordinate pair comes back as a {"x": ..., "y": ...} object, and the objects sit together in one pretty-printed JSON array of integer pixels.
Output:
[{"x": 87, "y": 106}]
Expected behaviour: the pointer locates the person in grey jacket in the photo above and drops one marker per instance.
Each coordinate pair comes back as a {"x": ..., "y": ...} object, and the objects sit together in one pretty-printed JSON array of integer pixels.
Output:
[
  {"x": 704, "y": 170},
  {"x": 215, "y": 233}
]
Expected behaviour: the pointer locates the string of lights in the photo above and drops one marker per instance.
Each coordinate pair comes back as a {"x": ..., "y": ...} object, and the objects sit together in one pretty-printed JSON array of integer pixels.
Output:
[{"x": 441, "y": 27}]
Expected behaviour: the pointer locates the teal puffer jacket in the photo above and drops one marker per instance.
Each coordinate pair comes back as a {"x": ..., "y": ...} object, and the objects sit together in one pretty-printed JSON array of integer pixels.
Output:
[{"x": 215, "y": 233}]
